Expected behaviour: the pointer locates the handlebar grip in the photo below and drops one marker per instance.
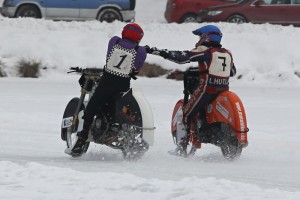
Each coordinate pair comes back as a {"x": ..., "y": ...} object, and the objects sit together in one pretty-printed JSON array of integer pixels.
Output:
[
  {"x": 87, "y": 71},
  {"x": 77, "y": 69},
  {"x": 93, "y": 70}
]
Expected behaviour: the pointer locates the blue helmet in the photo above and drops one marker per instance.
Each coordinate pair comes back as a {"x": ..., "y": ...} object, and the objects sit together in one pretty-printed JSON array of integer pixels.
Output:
[{"x": 208, "y": 33}]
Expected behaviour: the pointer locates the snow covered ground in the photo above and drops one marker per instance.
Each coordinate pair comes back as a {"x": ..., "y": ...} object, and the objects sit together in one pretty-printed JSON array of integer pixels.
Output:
[{"x": 32, "y": 162}]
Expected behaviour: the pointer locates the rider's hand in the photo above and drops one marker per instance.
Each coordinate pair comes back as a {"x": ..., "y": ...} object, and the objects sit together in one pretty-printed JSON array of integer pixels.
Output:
[
  {"x": 148, "y": 49},
  {"x": 160, "y": 52},
  {"x": 164, "y": 53}
]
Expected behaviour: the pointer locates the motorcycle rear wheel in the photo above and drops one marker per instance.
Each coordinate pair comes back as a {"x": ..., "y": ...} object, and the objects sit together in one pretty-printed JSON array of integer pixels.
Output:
[
  {"x": 134, "y": 147},
  {"x": 230, "y": 146},
  {"x": 69, "y": 134}
]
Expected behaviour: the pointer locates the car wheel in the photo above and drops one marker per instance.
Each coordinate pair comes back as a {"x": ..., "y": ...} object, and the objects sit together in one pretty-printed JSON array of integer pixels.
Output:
[
  {"x": 28, "y": 11},
  {"x": 109, "y": 15},
  {"x": 238, "y": 19},
  {"x": 188, "y": 18}
]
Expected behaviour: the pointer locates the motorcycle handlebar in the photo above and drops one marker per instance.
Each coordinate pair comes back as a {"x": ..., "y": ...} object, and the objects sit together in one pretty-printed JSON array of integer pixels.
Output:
[
  {"x": 86, "y": 71},
  {"x": 75, "y": 69},
  {"x": 192, "y": 71}
]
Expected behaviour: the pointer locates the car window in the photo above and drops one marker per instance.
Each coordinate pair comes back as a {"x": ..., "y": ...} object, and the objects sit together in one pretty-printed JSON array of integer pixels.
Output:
[
  {"x": 267, "y": 1},
  {"x": 280, "y": 2},
  {"x": 296, "y": 1}
]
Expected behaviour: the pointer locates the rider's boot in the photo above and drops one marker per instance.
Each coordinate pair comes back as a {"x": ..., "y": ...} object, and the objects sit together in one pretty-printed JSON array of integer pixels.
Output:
[{"x": 78, "y": 148}]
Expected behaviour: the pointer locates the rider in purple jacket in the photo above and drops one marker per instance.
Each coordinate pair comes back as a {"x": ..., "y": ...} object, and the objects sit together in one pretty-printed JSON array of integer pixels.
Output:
[{"x": 124, "y": 59}]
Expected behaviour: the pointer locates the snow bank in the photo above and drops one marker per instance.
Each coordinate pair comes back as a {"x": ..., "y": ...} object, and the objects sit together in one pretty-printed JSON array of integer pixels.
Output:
[{"x": 262, "y": 53}]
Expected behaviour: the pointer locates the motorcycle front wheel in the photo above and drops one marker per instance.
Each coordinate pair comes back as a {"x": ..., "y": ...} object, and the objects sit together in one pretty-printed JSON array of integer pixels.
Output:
[{"x": 69, "y": 134}]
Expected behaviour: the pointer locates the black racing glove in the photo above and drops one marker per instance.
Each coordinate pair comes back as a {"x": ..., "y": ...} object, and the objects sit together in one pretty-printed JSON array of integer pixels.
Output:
[
  {"x": 148, "y": 49},
  {"x": 160, "y": 52}
]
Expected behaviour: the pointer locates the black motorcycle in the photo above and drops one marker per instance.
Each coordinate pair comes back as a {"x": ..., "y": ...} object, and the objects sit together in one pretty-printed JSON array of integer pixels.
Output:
[{"x": 126, "y": 124}]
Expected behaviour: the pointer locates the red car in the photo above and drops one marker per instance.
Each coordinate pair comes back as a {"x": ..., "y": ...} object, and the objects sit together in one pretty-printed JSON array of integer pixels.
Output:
[
  {"x": 181, "y": 11},
  {"x": 284, "y": 12}
]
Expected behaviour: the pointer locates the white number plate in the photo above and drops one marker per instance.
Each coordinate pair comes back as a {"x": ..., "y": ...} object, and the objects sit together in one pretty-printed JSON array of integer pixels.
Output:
[{"x": 67, "y": 122}]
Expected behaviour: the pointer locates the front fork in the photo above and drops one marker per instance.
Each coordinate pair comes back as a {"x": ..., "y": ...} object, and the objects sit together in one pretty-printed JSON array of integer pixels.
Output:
[
  {"x": 81, "y": 100},
  {"x": 188, "y": 128},
  {"x": 191, "y": 135}
]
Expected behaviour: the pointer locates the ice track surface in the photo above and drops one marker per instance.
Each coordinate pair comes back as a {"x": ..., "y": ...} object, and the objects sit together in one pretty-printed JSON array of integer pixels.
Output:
[{"x": 33, "y": 164}]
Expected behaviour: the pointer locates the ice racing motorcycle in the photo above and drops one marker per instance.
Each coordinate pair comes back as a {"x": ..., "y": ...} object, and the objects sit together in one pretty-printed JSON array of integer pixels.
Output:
[
  {"x": 224, "y": 123},
  {"x": 126, "y": 124}
]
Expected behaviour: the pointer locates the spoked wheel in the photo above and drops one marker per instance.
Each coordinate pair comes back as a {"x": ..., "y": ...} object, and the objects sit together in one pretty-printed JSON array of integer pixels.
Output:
[
  {"x": 134, "y": 146},
  {"x": 28, "y": 11},
  {"x": 69, "y": 134},
  {"x": 189, "y": 18},
  {"x": 237, "y": 19},
  {"x": 230, "y": 146},
  {"x": 135, "y": 152},
  {"x": 189, "y": 152},
  {"x": 109, "y": 15}
]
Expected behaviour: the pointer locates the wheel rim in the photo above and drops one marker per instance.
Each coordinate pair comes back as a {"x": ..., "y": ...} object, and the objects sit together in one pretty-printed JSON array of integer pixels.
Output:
[
  {"x": 71, "y": 137},
  {"x": 29, "y": 13},
  {"x": 109, "y": 16},
  {"x": 237, "y": 20},
  {"x": 189, "y": 20}
]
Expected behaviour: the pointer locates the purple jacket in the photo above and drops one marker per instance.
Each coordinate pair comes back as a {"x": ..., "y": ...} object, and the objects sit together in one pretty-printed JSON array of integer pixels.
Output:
[{"x": 128, "y": 44}]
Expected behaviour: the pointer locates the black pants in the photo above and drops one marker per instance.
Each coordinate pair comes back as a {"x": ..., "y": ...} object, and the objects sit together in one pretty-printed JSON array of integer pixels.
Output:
[{"x": 109, "y": 86}]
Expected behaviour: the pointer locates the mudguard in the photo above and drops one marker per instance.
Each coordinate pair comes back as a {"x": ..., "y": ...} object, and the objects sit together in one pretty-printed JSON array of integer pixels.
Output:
[
  {"x": 228, "y": 108},
  {"x": 147, "y": 116},
  {"x": 177, "y": 111}
]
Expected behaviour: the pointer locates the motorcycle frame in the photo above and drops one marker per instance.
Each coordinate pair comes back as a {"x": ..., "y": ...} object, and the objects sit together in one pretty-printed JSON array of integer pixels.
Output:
[{"x": 91, "y": 77}]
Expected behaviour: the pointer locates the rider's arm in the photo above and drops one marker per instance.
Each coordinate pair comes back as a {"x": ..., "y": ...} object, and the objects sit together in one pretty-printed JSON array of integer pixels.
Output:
[
  {"x": 111, "y": 43},
  {"x": 139, "y": 59},
  {"x": 181, "y": 57},
  {"x": 233, "y": 70}
]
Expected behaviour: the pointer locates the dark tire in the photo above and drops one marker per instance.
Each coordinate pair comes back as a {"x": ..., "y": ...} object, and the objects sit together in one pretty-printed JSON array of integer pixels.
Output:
[
  {"x": 109, "y": 15},
  {"x": 230, "y": 146},
  {"x": 69, "y": 134},
  {"x": 69, "y": 112},
  {"x": 28, "y": 11},
  {"x": 238, "y": 19},
  {"x": 134, "y": 150},
  {"x": 188, "y": 18}
]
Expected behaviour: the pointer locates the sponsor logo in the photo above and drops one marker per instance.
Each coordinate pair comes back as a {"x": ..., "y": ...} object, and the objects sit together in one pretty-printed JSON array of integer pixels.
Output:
[
  {"x": 241, "y": 117},
  {"x": 222, "y": 110},
  {"x": 190, "y": 103}
]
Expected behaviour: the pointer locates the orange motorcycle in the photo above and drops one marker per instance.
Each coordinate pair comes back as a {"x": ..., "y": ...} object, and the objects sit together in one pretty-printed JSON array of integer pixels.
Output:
[{"x": 224, "y": 123}]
